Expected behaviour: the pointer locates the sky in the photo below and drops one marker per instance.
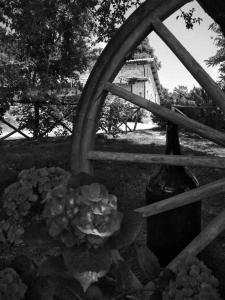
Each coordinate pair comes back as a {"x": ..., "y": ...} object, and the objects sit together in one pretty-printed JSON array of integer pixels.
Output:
[{"x": 199, "y": 42}]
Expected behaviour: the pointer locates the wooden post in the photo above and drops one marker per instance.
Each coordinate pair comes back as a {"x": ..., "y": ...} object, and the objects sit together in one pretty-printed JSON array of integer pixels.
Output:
[{"x": 36, "y": 120}]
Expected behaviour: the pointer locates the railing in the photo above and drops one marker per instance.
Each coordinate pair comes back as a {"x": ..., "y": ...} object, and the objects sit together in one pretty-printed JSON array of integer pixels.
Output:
[
  {"x": 37, "y": 108},
  {"x": 41, "y": 106}
]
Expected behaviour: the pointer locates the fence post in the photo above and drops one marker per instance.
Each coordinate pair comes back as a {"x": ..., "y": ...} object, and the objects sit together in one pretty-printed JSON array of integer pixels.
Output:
[{"x": 36, "y": 120}]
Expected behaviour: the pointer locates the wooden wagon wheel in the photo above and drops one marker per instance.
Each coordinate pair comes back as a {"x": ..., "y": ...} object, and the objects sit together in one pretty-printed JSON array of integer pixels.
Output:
[{"x": 148, "y": 17}]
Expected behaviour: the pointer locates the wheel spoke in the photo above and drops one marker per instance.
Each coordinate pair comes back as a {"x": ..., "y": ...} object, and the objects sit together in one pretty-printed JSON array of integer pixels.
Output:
[
  {"x": 190, "y": 63},
  {"x": 197, "y": 194},
  {"x": 178, "y": 160},
  {"x": 199, "y": 128}
]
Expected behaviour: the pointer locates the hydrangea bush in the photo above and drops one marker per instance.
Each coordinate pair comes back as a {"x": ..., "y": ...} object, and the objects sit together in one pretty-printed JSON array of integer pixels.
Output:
[
  {"x": 191, "y": 280},
  {"x": 22, "y": 200},
  {"x": 194, "y": 280},
  {"x": 11, "y": 285},
  {"x": 76, "y": 222}
]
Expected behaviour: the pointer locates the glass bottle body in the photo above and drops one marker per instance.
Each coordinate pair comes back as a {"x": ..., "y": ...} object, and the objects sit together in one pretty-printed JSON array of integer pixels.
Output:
[{"x": 168, "y": 233}]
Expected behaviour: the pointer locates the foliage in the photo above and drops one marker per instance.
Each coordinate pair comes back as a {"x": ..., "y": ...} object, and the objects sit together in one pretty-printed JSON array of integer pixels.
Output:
[
  {"x": 143, "y": 50},
  {"x": 193, "y": 281},
  {"x": 196, "y": 104},
  {"x": 110, "y": 14},
  {"x": 46, "y": 45},
  {"x": 215, "y": 9},
  {"x": 180, "y": 94},
  {"x": 166, "y": 100},
  {"x": 188, "y": 18},
  {"x": 23, "y": 199},
  {"x": 219, "y": 58},
  {"x": 114, "y": 113},
  {"x": 148, "y": 262},
  {"x": 11, "y": 285},
  {"x": 48, "y": 115},
  {"x": 89, "y": 210},
  {"x": 79, "y": 219},
  {"x": 200, "y": 97},
  {"x": 211, "y": 116},
  {"x": 67, "y": 270}
]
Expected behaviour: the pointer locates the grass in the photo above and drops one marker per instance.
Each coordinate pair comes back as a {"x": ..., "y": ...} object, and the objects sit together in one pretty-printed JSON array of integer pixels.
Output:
[{"x": 127, "y": 181}]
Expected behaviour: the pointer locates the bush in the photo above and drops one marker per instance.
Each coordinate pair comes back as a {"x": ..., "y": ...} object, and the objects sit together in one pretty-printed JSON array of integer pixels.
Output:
[
  {"x": 211, "y": 116},
  {"x": 22, "y": 200},
  {"x": 25, "y": 117},
  {"x": 114, "y": 112}
]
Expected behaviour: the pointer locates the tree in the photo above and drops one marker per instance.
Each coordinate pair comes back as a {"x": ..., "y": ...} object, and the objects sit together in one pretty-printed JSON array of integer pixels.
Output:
[
  {"x": 110, "y": 14},
  {"x": 200, "y": 96},
  {"x": 49, "y": 42},
  {"x": 143, "y": 50},
  {"x": 219, "y": 58},
  {"x": 180, "y": 94}
]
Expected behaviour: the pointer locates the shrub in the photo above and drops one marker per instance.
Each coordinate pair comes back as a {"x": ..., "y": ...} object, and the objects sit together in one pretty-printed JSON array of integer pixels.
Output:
[
  {"x": 211, "y": 116},
  {"x": 81, "y": 220},
  {"x": 11, "y": 285},
  {"x": 22, "y": 200},
  {"x": 114, "y": 112},
  {"x": 193, "y": 281}
]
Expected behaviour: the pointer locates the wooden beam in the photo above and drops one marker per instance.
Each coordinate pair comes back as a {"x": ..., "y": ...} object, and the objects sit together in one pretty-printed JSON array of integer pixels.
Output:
[
  {"x": 13, "y": 127},
  {"x": 8, "y": 135},
  {"x": 178, "y": 160},
  {"x": 197, "y": 194},
  {"x": 208, "y": 234},
  {"x": 59, "y": 121},
  {"x": 201, "y": 129},
  {"x": 190, "y": 63}
]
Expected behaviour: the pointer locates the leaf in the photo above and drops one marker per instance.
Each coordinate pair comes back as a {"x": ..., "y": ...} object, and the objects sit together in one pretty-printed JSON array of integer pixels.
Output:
[
  {"x": 129, "y": 230},
  {"x": 95, "y": 190},
  {"x": 81, "y": 259},
  {"x": 94, "y": 293},
  {"x": 148, "y": 262},
  {"x": 53, "y": 266},
  {"x": 69, "y": 289},
  {"x": 125, "y": 280},
  {"x": 43, "y": 288},
  {"x": 37, "y": 236}
]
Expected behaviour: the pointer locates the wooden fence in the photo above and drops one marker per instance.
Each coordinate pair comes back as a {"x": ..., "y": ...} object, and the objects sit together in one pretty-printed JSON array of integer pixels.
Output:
[{"x": 40, "y": 106}]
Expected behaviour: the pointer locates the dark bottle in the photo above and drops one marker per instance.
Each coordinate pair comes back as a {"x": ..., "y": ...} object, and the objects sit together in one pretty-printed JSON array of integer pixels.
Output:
[{"x": 168, "y": 233}]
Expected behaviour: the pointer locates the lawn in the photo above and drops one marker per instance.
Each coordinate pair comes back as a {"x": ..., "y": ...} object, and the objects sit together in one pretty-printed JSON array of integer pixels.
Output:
[{"x": 127, "y": 181}]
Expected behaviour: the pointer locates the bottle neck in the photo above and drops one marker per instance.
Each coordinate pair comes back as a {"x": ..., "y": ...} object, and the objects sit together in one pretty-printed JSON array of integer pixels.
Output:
[{"x": 172, "y": 139}]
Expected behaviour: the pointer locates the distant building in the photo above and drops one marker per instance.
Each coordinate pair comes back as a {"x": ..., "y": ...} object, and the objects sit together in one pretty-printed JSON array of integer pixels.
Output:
[{"x": 139, "y": 76}]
